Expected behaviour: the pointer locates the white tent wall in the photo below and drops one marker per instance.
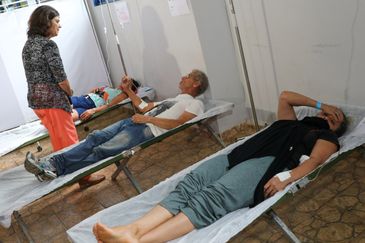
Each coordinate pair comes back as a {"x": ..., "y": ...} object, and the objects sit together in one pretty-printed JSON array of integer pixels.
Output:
[
  {"x": 154, "y": 44},
  {"x": 159, "y": 48},
  {"x": 313, "y": 47},
  {"x": 166, "y": 56},
  {"x": 108, "y": 45},
  {"x": 78, "y": 47},
  {"x": 8, "y": 97},
  {"x": 11, "y": 44},
  {"x": 220, "y": 58}
]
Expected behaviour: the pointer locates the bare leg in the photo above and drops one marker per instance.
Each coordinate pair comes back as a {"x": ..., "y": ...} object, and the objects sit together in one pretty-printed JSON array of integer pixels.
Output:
[
  {"x": 169, "y": 230},
  {"x": 132, "y": 232}
]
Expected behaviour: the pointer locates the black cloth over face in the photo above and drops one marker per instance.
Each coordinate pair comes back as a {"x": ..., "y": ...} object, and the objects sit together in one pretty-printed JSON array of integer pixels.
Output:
[{"x": 279, "y": 140}]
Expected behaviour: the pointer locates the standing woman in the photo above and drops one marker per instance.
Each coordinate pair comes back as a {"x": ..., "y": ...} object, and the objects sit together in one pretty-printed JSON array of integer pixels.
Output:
[{"x": 48, "y": 87}]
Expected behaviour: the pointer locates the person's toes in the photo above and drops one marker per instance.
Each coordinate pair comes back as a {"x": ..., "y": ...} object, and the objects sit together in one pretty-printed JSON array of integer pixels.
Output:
[{"x": 102, "y": 228}]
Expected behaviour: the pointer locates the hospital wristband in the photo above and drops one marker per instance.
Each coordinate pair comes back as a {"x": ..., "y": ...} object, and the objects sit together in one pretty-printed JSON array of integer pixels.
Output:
[
  {"x": 283, "y": 175},
  {"x": 318, "y": 105},
  {"x": 142, "y": 105}
]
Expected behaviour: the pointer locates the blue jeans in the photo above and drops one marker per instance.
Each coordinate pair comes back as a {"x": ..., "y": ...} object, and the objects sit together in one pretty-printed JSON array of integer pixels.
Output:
[
  {"x": 82, "y": 103},
  {"x": 101, "y": 144}
]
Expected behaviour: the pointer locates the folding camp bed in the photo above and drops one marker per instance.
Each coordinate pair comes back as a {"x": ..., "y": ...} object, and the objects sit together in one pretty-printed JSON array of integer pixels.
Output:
[
  {"x": 231, "y": 224},
  {"x": 34, "y": 131},
  {"x": 19, "y": 188}
]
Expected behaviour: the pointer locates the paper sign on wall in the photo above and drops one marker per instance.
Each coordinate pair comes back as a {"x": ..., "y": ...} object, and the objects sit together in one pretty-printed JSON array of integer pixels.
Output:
[
  {"x": 122, "y": 12},
  {"x": 178, "y": 7}
]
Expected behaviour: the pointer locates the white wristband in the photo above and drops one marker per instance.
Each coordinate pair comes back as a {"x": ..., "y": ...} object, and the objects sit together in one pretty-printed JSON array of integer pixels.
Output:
[
  {"x": 303, "y": 158},
  {"x": 142, "y": 105},
  {"x": 283, "y": 175}
]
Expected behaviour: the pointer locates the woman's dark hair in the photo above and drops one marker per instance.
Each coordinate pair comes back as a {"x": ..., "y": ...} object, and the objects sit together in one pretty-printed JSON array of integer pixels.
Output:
[
  {"x": 40, "y": 20},
  {"x": 343, "y": 126}
]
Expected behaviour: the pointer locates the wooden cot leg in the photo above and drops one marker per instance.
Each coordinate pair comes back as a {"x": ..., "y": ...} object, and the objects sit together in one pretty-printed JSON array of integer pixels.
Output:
[
  {"x": 23, "y": 226},
  {"x": 283, "y": 227}
]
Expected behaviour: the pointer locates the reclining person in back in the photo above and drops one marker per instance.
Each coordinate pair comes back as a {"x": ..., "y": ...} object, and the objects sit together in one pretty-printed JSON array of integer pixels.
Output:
[
  {"x": 125, "y": 134},
  {"x": 83, "y": 107},
  {"x": 250, "y": 173}
]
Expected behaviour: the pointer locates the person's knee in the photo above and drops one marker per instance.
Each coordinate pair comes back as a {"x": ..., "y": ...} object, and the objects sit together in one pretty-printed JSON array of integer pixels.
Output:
[
  {"x": 100, "y": 153},
  {"x": 193, "y": 178},
  {"x": 108, "y": 149},
  {"x": 95, "y": 137}
]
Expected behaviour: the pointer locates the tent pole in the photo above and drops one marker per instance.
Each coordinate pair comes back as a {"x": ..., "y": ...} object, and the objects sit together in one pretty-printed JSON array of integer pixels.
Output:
[
  {"x": 248, "y": 83},
  {"x": 116, "y": 39},
  {"x": 244, "y": 65},
  {"x": 98, "y": 42}
]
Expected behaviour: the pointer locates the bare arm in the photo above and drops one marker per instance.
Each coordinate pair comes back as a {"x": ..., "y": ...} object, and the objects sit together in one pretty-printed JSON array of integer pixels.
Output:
[
  {"x": 65, "y": 86},
  {"x": 117, "y": 99},
  {"x": 88, "y": 113},
  {"x": 322, "y": 150},
  {"x": 289, "y": 99},
  {"x": 163, "y": 122},
  {"x": 136, "y": 100}
]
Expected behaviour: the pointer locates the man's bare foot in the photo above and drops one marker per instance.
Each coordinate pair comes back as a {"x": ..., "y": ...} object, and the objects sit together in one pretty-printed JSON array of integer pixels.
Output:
[{"x": 122, "y": 234}]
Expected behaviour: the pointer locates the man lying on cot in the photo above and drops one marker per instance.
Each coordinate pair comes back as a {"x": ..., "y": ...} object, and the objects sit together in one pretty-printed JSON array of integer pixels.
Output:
[
  {"x": 127, "y": 133},
  {"x": 250, "y": 173},
  {"x": 83, "y": 107}
]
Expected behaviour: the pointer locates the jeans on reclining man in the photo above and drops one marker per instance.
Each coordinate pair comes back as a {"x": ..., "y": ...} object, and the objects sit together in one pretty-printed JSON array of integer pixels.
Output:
[{"x": 122, "y": 135}]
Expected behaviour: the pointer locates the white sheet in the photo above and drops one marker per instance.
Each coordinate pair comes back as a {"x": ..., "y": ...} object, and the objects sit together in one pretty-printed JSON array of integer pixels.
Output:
[
  {"x": 14, "y": 138},
  {"x": 226, "y": 227},
  {"x": 18, "y": 187}
]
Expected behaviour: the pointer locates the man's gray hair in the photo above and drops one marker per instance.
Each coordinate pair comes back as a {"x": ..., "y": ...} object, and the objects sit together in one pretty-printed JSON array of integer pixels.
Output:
[{"x": 202, "y": 78}]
